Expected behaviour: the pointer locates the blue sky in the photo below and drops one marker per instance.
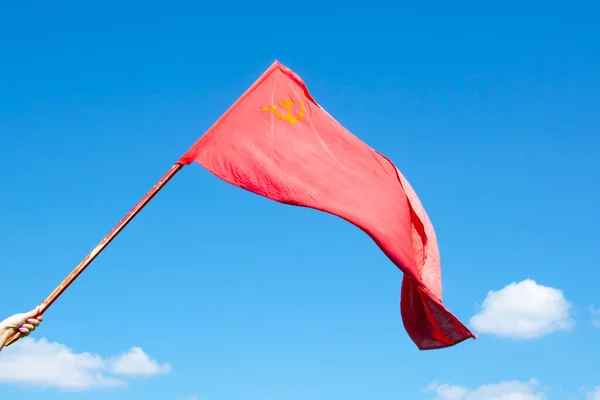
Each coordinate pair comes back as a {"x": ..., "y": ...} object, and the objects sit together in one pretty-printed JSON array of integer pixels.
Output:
[{"x": 490, "y": 111}]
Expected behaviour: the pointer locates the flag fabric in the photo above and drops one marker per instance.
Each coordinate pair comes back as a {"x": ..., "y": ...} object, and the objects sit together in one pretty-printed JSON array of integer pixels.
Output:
[{"x": 277, "y": 142}]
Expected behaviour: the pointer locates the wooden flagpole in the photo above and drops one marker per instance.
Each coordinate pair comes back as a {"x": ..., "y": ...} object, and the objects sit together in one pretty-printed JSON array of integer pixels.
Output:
[{"x": 102, "y": 245}]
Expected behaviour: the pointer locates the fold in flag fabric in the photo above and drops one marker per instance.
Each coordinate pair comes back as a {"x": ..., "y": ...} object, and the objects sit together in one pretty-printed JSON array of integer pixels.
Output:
[{"x": 277, "y": 142}]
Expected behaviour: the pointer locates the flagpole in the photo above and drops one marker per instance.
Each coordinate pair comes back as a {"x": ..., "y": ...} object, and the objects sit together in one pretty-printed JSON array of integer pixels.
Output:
[{"x": 102, "y": 245}]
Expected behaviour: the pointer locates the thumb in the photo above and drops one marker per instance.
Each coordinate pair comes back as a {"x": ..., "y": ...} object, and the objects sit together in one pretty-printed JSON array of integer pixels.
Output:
[{"x": 32, "y": 314}]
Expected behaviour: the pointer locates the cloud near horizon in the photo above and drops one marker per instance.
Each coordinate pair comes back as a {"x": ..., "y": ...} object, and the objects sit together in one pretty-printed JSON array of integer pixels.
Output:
[
  {"x": 41, "y": 363},
  {"x": 523, "y": 310},
  {"x": 594, "y": 394},
  {"x": 509, "y": 390}
]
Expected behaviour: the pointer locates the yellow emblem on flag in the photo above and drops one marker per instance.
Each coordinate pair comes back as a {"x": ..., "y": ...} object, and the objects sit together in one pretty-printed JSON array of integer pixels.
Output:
[{"x": 289, "y": 115}]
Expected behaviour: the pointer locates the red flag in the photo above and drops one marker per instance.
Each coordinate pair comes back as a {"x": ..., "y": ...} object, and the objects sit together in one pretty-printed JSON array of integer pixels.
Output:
[{"x": 277, "y": 142}]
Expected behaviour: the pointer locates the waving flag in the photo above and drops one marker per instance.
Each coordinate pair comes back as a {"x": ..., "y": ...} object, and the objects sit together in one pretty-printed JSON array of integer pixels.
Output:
[{"x": 277, "y": 142}]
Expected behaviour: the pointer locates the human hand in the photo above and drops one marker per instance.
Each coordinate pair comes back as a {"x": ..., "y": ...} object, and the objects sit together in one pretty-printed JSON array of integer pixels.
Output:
[{"x": 24, "y": 323}]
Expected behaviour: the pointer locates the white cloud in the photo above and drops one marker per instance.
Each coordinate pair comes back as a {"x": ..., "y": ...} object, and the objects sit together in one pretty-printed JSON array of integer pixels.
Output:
[
  {"x": 192, "y": 397},
  {"x": 594, "y": 394},
  {"x": 46, "y": 364},
  {"x": 511, "y": 390},
  {"x": 524, "y": 310},
  {"x": 136, "y": 363}
]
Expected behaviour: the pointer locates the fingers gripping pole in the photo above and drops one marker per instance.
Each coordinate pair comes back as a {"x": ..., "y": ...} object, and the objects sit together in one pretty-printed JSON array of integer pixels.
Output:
[{"x": 102, "y": 245}]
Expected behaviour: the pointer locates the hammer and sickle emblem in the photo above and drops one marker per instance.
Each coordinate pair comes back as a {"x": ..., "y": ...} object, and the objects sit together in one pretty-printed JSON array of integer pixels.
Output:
[{"x": 288, "y": 116}]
